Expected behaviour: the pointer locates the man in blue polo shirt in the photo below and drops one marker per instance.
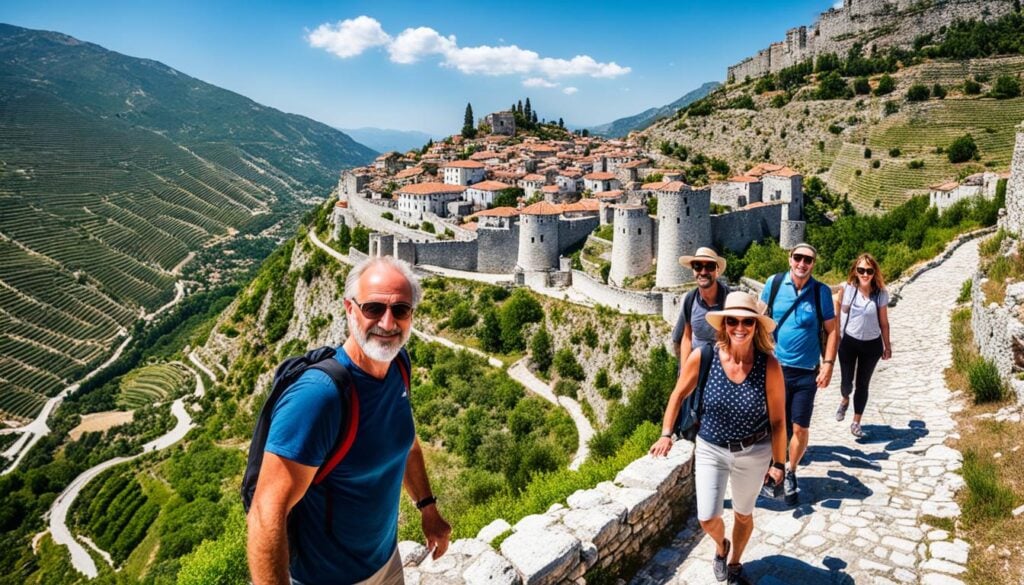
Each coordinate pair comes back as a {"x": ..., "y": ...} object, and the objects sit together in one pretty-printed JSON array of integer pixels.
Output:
[
  {"x": 798, "y": 349},
  {"x": 345, "y": 530}
]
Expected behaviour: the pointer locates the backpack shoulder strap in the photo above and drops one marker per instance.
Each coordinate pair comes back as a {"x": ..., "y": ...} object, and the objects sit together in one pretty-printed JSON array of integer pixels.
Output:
[
  {"x": 723, "y": 291},
  {"x": 349, "y": 415},
  {"x": 816, "y": 289},
  {"x": 405, "y": 367},
  {"x": 688, "y": 304},
  {"x": 706, "y": 357},
  {"x": 774, "y": 291}
]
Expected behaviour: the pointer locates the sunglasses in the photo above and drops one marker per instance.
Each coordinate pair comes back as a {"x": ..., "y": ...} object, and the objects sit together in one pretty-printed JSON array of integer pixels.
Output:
[
  {"x": 748, "y": 322},
  {"x": 375, "y": 310},
  {"x": 702, "y": 266},
  {"x": 867, "y": 271},
  {"x": 802, "y": 258}
]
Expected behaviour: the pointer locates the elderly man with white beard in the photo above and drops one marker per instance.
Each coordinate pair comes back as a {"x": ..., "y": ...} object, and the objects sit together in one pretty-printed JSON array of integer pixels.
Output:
[{"x": 347, "y": 533}]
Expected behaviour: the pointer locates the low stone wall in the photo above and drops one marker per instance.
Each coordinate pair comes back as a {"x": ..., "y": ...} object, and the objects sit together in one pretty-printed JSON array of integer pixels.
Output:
[
  {"x": 448, "y": 254},
  {"x": 998, "y": 330},
  {"x": 896, "y": 286},
  {"x": 625, "y": 301},
  {"x": 606, "y": 528}
]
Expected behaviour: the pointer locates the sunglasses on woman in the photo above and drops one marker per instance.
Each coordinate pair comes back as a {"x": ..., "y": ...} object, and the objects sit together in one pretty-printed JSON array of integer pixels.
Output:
[
  {"x": 867, "y": 271},
  {"x": 702, "y": 266},
  {"x": 375, "y": 310},
  {"x": 747, "y": 322}
]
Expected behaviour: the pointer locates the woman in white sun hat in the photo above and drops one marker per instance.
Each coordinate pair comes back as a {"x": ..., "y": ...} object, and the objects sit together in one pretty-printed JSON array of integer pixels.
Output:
[{"x": 742, "y": 428}]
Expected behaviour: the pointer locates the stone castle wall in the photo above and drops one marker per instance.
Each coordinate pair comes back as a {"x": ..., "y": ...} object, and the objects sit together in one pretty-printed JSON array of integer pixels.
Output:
[
  {"x": 873, "y": 23},
  {"x": 614, "y": 525},
  {"x": 450, "y": 254},
  {"x": 1014, "y": 220},
  {"x": 496, "y": 249},
  {"x": 574, "y": 230},
  {"x": 624, "y": 301},
  {"x": 736, "y": 230}
]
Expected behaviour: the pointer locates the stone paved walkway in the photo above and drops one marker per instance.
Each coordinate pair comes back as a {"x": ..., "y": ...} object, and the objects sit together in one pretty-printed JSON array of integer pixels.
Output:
[{"x": 862, "y": 502}]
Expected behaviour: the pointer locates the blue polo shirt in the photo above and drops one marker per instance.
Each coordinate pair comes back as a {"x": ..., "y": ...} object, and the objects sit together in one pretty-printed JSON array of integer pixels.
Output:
[
  {"x": 797, "y": 342},
  {"x": 364, "y": 488}
]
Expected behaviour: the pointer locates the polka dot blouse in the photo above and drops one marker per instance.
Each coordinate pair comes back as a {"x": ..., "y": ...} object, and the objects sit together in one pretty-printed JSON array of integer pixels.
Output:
[{"x": 734, "y": 411}]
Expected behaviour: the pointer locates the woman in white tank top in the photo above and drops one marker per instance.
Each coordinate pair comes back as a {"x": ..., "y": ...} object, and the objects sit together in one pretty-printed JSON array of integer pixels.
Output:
[{"x": 862, "y": 306}]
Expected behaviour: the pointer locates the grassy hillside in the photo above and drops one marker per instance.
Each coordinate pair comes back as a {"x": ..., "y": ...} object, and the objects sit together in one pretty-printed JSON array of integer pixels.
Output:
[
  {"x": 829, "y": 137},
  {"x": 113, "y": 171}
]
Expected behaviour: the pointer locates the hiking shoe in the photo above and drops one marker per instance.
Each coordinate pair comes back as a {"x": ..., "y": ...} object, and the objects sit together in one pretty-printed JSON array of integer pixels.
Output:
[
  {"x": 856, "y": 431},
  {"x": 790, "y": 488},
  {"x": 736, "y": 576},
  {"x": 841, "y": 411},
  {"x": 718, "y": 564}
]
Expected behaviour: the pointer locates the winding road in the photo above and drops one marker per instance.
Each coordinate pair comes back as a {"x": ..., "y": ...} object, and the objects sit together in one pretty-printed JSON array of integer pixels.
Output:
[{"x": 81, "y": 560}]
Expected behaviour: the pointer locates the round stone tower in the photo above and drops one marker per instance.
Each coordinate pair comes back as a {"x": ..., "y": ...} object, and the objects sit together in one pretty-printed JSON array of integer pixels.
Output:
[
  {"x": 538, "y": 237},
  {"x": 791, "y": 231},
  {"x": 684, "y": 224},
  {"x": 632, "y": 246}
]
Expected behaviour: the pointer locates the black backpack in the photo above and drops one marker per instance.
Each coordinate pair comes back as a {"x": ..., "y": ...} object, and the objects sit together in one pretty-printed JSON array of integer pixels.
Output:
[
  {"x": 774, "y": 290},
  {"x": 723, "y": 291},
  {"x": 286, "y": 374},
  {"x": 690, "y": 411}
]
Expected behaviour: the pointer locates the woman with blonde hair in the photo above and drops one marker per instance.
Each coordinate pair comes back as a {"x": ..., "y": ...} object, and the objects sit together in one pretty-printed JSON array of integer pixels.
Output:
[
  {"x": 742, "y": 425},
  {"x": 862, "y": 305}
]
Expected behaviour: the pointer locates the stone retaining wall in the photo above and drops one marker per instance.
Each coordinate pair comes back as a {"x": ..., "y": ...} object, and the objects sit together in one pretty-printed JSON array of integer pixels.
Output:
[
  {"x": 998, "y": 330},
  {"x": 602, "y": 529},
  {"x": 625, "y": 301}
]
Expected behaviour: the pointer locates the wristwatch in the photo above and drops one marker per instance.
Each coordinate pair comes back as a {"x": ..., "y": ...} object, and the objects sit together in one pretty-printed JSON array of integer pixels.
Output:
[
  {"x": 779, "y": 466},
  {"x": 666, "y": 435},
  {"x": 425, "y": 502}
]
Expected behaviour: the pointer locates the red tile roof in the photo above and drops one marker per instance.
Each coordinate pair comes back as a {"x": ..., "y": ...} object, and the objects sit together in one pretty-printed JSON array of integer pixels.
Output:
[
  {"x": 654, "y": 186},
  {"x": 535, "y": 177},
  {"x": 541, "y": 208},
  {"x": 600, "y": 176},
  {"x": 410, "y": 172},
  {"x": 743, "y": 179},
  {"x": 609, "y": 194},
  {"x": 464, "y": 164},
  {"x": 550, "y": 189},
  {"x": 673, "y": 186},
  {"x": 582, "y": 205},
  {"x": 490, "y": 186},
  {"x": 497, "y": 212},
  {"x": 430, "y": 189}
]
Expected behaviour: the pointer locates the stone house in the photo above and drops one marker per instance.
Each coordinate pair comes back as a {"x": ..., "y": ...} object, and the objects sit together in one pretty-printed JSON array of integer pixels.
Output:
[
  {"x": 464, "y": 172},
  {"x": 388, "y": 162},
  {"x": 600, "y": 182},
  {"x": 503, "y": 123},
  {"x": 531, "y": 184},
  {"x": 417, "y": 199},
  {"x": 737, "y": 191},
  {"x": 482, "y": 194}
]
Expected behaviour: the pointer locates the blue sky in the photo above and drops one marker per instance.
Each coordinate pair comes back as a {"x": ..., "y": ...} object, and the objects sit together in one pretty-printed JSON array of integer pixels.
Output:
[{"x": 395, "y": 65}]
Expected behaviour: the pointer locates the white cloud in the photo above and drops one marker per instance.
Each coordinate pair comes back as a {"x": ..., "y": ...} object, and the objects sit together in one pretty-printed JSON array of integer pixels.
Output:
[
  {"x": 570, "y": 90},
  {"x": 414, "y": 43},
  {"x": 838, "y": 4},
  {"x": 349, "y": 38},
  {"x": 538, "y": 82}
]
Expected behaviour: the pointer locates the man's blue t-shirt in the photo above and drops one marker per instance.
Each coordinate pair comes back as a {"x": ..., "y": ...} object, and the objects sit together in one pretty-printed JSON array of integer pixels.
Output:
[
  {"x": 365, "y": 487},
  {"x": 797, "y": 342}
]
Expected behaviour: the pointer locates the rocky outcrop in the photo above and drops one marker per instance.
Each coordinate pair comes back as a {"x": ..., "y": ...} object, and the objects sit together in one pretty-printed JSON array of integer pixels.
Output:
[{"x": 598, "y": 530}]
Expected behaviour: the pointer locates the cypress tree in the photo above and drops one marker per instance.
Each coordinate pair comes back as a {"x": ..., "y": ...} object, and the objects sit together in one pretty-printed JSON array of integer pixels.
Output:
[
  {"x": 468, "y": 131},
  {"x": 519, "y": 107},
  {"x": 528, "y": 111},
  {"x": 561, "y": 124}
]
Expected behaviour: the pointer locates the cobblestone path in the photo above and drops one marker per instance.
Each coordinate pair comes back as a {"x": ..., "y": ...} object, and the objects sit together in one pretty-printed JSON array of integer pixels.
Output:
[{"x": 861, "y": 516}]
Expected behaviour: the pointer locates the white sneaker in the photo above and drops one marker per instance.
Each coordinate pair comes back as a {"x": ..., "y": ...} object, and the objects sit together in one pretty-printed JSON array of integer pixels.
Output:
[{"x": 856, "y": 431}]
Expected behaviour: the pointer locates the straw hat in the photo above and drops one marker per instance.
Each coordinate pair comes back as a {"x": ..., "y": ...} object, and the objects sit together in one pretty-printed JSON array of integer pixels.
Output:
[
  {"x": 704, "y": 255},
  {"x": 741, "y": 304}
]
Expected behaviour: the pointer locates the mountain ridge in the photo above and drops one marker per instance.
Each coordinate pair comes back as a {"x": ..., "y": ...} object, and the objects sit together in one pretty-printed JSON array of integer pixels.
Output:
[{"x": 624, "y": 126}]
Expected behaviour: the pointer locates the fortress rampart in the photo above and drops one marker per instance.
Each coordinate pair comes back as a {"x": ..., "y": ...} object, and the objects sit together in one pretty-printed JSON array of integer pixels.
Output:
[
  {"x": 624, "y": 301},
  {"x": 873, "y": 23}
]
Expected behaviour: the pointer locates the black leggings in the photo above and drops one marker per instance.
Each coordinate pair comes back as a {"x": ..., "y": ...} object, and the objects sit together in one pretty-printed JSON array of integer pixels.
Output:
[{"x": 857, "y": 359}]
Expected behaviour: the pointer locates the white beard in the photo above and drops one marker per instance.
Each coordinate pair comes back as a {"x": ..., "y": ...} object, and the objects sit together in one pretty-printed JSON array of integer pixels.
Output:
[{"x": 376, "y": 348}]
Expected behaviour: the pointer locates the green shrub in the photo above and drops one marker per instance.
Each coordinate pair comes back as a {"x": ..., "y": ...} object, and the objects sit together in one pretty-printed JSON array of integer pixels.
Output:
[
  {"x": 832, "y": 86},
  {"x": 1005, "y": 87},
  {"x": 985, "y": 382},
  {"x": 779, "y": 100},
  {"x": 612, "y": 392},
  {"x": 566, "y": 365},
  {"x": 462, "y": 316},
  {"x": 891, "y": 108},
  {"x": 428, "y": 227},
  {"x": 221, "y": 561},
  {"x": 987, "y": 497},
  {"x": 876, "y": 164},
  {"x": 894, "y": 152},
  {"x": 565, "y": 387},
  {"x": 867, "y": 153},
  {"x": 962, "y": 149},
  {"x": 972, "y": 87},
  {"x": 991, "y": 245},
  {"x": 861, "y": 86},
  {"x": 886, "y": 85},
  {"x": 965, "y": 291},
  {"x": 388, "y": 215},
  {"x": 918, "y": 93},
  {"x": 916, "y": 164},
  {"x": 601, "y": 379},
  {"x": 540, "y": 349},
  {"x": 835, "y": 129},
  {"x": 938, "y": 91}
]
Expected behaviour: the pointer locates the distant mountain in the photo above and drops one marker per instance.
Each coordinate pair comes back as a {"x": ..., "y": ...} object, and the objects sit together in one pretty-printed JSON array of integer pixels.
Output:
[
  {"x": 384, "y": 140},
  {"x": 624, "y": 126},
  {"x": 114, "y": 170}
]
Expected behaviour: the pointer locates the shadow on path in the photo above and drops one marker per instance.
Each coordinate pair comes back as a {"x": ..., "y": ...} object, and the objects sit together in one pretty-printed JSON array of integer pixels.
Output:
[
  {"x": 783, "y": 570},
  {"x": 828, "y": 492},
  {"x": 895, "y": 439}
]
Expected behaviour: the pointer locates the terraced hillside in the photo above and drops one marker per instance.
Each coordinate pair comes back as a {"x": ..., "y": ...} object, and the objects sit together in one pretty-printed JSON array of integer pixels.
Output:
[
  {"x": 829, "y": 137},
  {"x": 152, "y": 384},
  {"x": 112, "y": 171}
]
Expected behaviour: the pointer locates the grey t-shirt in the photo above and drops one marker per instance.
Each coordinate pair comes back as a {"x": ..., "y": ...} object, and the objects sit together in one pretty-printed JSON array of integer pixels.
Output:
[
  {"x": 859, "y": 315},
  {"x": 701, "y": 333}
]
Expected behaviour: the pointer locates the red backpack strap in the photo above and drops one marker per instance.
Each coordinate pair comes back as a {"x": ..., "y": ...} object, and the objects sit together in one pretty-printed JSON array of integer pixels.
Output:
[{"x": 346, "y": 441}]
